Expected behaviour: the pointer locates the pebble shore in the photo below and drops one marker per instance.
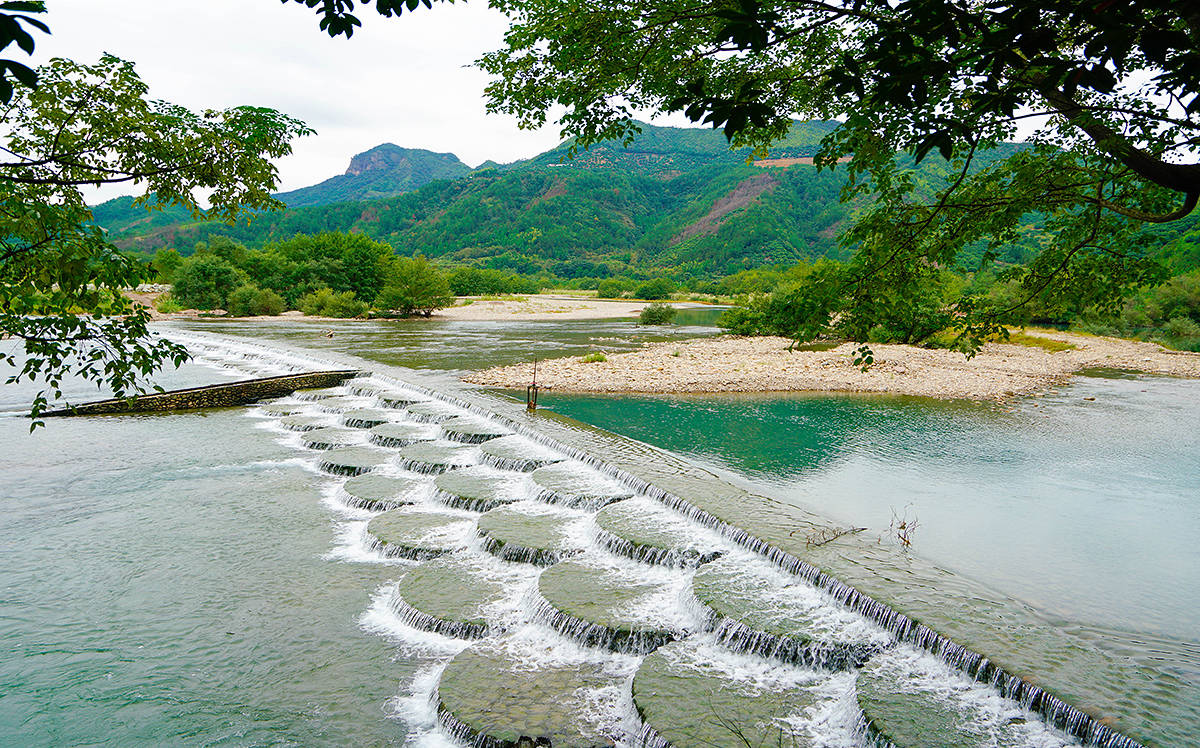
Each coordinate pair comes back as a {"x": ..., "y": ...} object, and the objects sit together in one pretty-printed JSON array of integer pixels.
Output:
[{"x": 764, "y": 364}]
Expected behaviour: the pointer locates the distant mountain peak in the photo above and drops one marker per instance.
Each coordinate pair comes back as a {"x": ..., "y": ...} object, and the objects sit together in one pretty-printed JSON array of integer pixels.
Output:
[
  {"x": 384, "y": 171},
  {"x": 389, "y": 156}
]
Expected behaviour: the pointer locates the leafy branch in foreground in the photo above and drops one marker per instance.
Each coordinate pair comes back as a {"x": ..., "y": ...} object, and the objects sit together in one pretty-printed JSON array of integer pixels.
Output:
[{"x": 61, "y": 282}]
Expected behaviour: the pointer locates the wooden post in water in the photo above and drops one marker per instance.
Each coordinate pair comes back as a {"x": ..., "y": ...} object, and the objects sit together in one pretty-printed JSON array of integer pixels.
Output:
[{"x": 531, "y": 391}]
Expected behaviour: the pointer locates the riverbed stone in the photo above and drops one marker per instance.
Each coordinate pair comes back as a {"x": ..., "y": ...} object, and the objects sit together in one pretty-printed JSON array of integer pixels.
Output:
[
  {"x": 687, "y": 701},
  {"x": 491, "y": 695},
  {"x": 471, "y": 430},
  {"x": 514, "y": 533},
  {"x": 303, "y": 423},
  {"x": 591, "y": 604},
  {"x": 418, "y": 534},
  {"x": 339, "y": 404},
  {"x": 436, "y": 456},
  {"x": 278, "y": 410},
  {"x": 320, "y": 393},
  {"x": 572, "y": 483},
  {"x": 760, "y": 609},
  {"x": 330, "y": 437},
  {"x": 480, "y": 488},
  {"x": 646, "y": 531},
  {"x": 432, "y": 411},
  {"x": 373, "y": 491},
  {"x": 353, "y": 460},
  {"x": 446, "y": 596},
  {"x": 517, "y": 453},
  {"x": 906, "y": 712},
  {"x": 401, "y": 434}
]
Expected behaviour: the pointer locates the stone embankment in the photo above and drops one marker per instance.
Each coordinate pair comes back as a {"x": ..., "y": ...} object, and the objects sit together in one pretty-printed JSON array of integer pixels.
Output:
[
  {"x": 764, "y": 364},
  {"x": 222, "y": 395}
]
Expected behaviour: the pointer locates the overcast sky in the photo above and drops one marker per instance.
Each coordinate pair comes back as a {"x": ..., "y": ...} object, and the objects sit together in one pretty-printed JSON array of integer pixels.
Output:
[{"x": 408, "y": 81}]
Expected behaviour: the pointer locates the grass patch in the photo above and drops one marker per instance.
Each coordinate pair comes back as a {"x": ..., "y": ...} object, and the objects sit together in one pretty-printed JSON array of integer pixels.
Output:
[
  {"x": 1036, "y": 341},
  {"x": 166, "y": 304},
  {"x": 594, "y": 358}
]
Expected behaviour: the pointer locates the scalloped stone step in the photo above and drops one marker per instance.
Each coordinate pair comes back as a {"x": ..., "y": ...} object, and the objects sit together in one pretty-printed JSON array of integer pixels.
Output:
[
  {"x": 685, "y": 698},
  {"x": 574, "y": 484},
  {"x": 364, "y": 418},
  {"x": 278, "y": 410},
  {"x": 532, "y": 537},
  {"x": 401, "y": 434},
  {"x": 910, "y": 701},
  {"x": 363, "y": 388},
  {"x": 432, "y": 411},
  {"x": 373, "y": 491},
  {"x": 480, "y": 488},
  {"x": 591, "y": 604},
  {"x": 399, "y": 399},
  {"x": 418, "y": 533},
  {"x": 339, "y": 403},
  {"x": 353, "y": 460},
  {"x": 758, "y": 608},
  {"x": 303, "y": 423},
  {"x": 517, "y": 453},
  {"x": 489, "y": 695},
  {"x": 644, "y": 530},
  {"x": 471, "y": 430},
  {"x": 320, "y": 393},
  {"x": 436, "y": 457},
  {"x": 331, "y": 437},
  {"x": 446, "y": 596}
]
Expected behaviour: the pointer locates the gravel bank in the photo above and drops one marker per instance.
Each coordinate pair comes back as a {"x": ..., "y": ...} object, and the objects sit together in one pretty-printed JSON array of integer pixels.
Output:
[{"x": 736, "y": 364}]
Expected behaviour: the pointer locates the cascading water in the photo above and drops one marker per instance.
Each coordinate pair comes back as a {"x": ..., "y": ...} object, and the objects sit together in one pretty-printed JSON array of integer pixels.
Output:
[{"x": 534, "y": 627}]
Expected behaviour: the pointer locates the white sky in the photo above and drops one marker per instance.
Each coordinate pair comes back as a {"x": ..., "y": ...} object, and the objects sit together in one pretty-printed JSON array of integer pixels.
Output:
[{"x": 408, "y": 81}]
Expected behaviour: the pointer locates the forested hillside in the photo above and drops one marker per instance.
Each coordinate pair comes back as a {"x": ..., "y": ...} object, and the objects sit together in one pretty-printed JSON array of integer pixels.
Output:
[{"x": 675, "y": 202}]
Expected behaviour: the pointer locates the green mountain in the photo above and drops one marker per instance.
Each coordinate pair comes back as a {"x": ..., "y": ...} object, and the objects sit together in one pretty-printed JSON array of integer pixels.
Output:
[
  {"x": 384, "y": 171},
  {"x": 675, "y": 202},
  {"x": 674, "y": 199}
]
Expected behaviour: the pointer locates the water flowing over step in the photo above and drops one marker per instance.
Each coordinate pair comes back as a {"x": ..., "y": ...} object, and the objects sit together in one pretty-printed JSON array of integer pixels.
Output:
[
  {"x": 278, "y": 410},
  {"x": 436, "y": 457},
  {"x": 446, "y": 596},
  {"x": 303, "y": 422},
  {"x": 690, "y": 693},
  {"x": 398, "y": 400},
  {"x": 471, "y": 430},
  {"x": 496, "y": 694},
  {"x": 330, "y": 438},
  {"x": 364, "y": 418},
  {"x": 418, "y": 533},
  {"x": 602, "y": 607},
  {"x": 574, "y": 484},
  {"x": 516, "y": 453},
  {"x": 339, "y": 403},
  {"x": 322, "y": 393},
  {"x": 480, "y": 488},
  {"x": 401, "y": 434},
  {"x": 910, "y": 700},
  {"x": 645, "y": 531},
  {"x": 531, "y": 534},
  {"x": 376, "y": 492},
  {"x": 353, "y": 460},
  {"x": 659, "y": 603},
  {"x": 757, "y": 608},
  {"x": 432, "y": 411}
]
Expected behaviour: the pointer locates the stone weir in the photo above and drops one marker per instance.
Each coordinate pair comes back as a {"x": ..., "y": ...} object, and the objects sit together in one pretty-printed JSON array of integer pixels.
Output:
[{"x": 222, "y": 395}]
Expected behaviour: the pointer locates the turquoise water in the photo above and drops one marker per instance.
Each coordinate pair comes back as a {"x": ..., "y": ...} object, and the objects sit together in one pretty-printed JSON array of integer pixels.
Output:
[{"x": 1087, "y": 509}]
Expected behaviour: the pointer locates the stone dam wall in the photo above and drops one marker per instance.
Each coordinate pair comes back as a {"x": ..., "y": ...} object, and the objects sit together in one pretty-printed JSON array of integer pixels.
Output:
[{"x": 223, "y": 395}]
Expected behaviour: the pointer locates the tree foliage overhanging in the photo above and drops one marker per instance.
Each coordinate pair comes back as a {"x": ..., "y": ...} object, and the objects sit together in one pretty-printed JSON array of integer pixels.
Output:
[{"x": 60, "y": 279}]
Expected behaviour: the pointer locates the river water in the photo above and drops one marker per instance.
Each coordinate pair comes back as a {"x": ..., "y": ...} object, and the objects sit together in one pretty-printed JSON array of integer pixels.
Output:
[{"x": 179, "y": 579}]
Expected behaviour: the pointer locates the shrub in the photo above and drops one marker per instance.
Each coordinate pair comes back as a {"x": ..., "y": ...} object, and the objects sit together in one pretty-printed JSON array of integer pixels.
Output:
[
  {"x": 594, "y": 358},
  {"x": 657, "y": 314},
  {"x": 239, "y": 300},
  {"x": 610, "y": 289},
  {"x": 659, "y": 288},
  {"x": 326, "y": 303}
]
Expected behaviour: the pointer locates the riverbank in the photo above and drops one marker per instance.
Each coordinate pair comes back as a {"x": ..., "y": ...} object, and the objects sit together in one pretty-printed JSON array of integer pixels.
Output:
[{"x": 763, "y": 364}]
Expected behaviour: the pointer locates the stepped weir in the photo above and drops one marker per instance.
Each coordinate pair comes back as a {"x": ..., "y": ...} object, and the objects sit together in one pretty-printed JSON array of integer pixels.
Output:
[{"x": 595, "y": 608}]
